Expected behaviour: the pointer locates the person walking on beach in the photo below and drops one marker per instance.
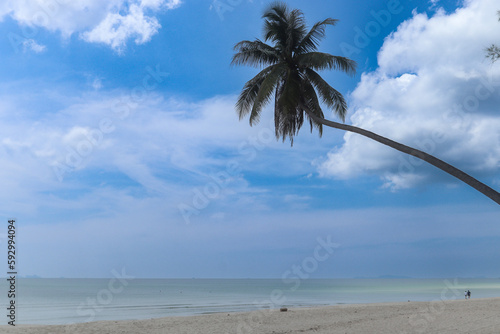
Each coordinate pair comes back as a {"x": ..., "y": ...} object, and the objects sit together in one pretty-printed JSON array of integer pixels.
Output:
[
  {"x": 468, "y": 294},
  {"x": 465, "y": 294}
]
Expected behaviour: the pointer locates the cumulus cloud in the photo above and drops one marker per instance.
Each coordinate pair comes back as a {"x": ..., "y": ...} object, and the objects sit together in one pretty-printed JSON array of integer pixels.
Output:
[
  {"x": 115, "y": 28},
  {"x": 111, "y": 22},
  {"x": 433, "y": 90}
]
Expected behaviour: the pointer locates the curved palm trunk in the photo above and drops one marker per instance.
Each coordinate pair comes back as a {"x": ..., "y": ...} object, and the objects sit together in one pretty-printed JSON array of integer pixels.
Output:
[{"x": 479, "y": 186}]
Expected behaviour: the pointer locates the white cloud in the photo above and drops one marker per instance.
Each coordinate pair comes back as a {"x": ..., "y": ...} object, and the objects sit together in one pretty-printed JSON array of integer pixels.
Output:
[
  {"x": 111, "y": 22},
  {"x": 433, "y": 90},
  {"x": 30, "y": 44},
  {"x": 116, "y": 29}
]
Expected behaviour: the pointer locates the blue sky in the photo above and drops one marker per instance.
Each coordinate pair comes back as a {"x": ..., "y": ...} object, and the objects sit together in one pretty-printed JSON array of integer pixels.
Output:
[{"x": 121, "y": 148}]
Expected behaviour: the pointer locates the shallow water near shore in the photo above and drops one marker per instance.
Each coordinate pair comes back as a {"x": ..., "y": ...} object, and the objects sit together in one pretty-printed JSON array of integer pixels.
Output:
[{"x": 65, "y": 301}]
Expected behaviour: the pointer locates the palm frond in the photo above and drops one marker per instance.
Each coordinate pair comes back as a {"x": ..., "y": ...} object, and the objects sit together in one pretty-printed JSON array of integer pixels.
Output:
[
  {"x": 290, "y": 96},
  {"x": 288, "y": 116},
  {"x": 311, "y": 40},
  {"x": 330, "y": 96},
  {"x": 323, "y": 61},
  {"x": 275, "y": 22},
  {"x": 249, "y": 93},
  {"x": 310, "y": 101},
  {"x": 254, "y": 53},
  {"x": 265, "y": 92},
  {"x": 276, "y": 11},
  {"x": 295, "y": 31},
  {"x": 287, "y": 121}
]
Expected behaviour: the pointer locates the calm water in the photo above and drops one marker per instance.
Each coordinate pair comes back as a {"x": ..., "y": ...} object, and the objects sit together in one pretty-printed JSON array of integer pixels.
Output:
[{"x": 63, "y": 301}]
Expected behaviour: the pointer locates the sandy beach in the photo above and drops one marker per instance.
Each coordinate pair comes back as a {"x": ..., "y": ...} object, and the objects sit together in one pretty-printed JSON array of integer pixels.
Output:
[{"x": 458, "y": 316}]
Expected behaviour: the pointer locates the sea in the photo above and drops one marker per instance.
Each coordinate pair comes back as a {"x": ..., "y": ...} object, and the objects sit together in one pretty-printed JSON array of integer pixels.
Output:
[{"x": 65, "y": 301}]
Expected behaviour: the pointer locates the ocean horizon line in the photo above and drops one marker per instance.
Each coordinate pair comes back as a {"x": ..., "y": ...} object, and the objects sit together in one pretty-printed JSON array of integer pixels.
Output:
[{"x": 264, "y": 278}]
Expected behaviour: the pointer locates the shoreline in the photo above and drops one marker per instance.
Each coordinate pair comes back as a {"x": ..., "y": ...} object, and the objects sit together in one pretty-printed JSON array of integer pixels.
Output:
[{"x": 457, "y": 316}]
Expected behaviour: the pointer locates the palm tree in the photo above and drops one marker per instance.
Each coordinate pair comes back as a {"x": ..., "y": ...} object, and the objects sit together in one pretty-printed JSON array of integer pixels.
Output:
[{"x": 290, "y": 75}]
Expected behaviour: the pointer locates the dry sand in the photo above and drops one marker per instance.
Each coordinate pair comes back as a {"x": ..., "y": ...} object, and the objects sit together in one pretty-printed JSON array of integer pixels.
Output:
[{"x": 459, "y": 316}]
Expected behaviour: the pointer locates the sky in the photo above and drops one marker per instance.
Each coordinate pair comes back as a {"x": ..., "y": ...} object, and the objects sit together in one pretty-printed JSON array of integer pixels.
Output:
[{"x": 121, "y": 150}]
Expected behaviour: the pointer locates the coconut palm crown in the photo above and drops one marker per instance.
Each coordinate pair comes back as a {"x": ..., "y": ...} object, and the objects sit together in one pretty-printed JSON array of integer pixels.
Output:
[{"x": 290, "y": 74}]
